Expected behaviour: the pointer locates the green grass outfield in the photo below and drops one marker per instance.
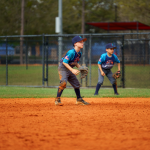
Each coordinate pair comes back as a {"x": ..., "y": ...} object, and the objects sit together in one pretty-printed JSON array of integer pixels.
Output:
[
  {"x": 135, "y": 76},
  {"x": 26, "y": 92}
]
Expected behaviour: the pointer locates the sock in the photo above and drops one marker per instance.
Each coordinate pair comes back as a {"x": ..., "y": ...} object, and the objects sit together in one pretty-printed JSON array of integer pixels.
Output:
[
  {"x": 115, "y": 87},
  {"x": 77, "y": 91},
  {"x": 59, "y": 92},
  {"x": 97, "y": 88}
]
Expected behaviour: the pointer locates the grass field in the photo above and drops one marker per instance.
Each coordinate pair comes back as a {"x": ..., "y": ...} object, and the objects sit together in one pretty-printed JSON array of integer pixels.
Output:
[
  {"x": 25, "y": 92},
  {"x": 135, "y": 76}
]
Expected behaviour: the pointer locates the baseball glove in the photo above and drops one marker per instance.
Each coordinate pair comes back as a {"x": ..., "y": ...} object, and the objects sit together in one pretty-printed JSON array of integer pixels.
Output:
[
  {"x": 117, "y": 75},
  {"x": 84, "y": 71}
]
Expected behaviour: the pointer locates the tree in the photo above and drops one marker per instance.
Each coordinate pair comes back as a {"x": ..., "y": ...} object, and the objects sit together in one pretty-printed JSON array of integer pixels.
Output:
[
  {"x": 10, "y": 18},
  {"x": 95, "y": 11},
  {"x": 134, "y": 10},
  {"x": 39, "y": 15}
]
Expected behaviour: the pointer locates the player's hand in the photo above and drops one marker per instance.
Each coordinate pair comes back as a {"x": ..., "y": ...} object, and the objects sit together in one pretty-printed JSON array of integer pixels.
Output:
[
  {"x": 102, "y": 73},
  {"x": 75, "y": 71}
]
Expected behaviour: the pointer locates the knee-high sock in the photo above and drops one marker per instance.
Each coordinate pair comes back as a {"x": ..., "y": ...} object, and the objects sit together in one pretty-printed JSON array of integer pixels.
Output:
[
  {"x": 97, "y": 88},
  {"x": 59, "y": 92},
  {"x": 77, "y": 91},
  {"x": 115, "y": 87}
]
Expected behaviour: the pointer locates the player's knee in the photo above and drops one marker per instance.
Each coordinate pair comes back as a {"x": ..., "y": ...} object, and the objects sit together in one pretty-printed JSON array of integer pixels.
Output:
[
  {"x": 77, "y": 86},
  {"x": 114, "y": 82},
  {"x": 101, "y": 83},
  {"x": 62, "y": 85}
]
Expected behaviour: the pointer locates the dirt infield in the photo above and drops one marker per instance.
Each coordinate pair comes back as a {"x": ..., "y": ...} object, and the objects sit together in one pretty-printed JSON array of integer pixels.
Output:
[{"x": 107, "y": 124}]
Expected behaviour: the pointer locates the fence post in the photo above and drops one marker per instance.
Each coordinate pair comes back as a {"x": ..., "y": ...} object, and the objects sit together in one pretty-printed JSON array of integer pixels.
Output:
[
  {"x": 90, "y": 61},
  {"x": 123, "y": 69},
  {"x": 26, "y": 55},
  {"x": 46, "y": 61},
  {"x": 60, "y": 42},
  {"x": 43, "y": 59},
  {"x": 6, "y": 62}
]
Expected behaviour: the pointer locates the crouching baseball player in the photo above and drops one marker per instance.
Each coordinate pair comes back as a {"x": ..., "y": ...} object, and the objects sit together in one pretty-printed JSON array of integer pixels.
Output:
[
  {"x": 105, "y": 63},
  {"x": 68, "y": 73}
]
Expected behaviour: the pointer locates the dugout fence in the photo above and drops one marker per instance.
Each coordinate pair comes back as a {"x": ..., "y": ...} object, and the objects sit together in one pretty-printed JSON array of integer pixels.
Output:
[{"x": 37, "y": 65}]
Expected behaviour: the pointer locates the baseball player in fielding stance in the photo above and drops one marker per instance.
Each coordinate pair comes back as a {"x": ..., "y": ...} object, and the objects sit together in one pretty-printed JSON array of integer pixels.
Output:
[
  {"x": 105, "y": 64},
  {"x": 68, "y": 73}
]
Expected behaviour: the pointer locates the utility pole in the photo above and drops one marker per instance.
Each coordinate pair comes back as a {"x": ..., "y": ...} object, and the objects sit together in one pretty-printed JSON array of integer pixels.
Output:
[
  {"x": 60, "y": 29},
  {"x": 22, "y": 32}
]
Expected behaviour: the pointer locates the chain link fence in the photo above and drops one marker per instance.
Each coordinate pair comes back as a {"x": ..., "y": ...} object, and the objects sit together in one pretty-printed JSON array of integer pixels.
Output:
[{"x": 38, "y": 63}]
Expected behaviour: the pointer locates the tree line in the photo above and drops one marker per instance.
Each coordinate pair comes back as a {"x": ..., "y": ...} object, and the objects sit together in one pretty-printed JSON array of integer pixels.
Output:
[{"x": 39, "y": 15}]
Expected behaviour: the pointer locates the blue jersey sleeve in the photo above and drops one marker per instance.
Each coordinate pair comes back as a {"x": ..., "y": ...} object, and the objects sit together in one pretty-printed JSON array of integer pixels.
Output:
[
  {"x": 116, "y": 59},
  {"x": 102, "y": 59},
  {"x": 70, "y": 54}
]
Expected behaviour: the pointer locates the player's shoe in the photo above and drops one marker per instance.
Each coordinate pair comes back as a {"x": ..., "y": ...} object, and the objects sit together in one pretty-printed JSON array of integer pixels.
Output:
[
  {"x": 96, "y": 94},
  {"x": 116, "y": 93},
  {"x": 80, "y": 101},
  {"x": 58, "y": 101}
]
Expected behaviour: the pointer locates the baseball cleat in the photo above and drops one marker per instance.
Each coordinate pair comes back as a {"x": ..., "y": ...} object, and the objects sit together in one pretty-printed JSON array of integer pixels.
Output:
[
  {"x": 58, "y": 102},
  {"x": 116, "y": 93},
  {"x": 80, "y": 101},
  {"x": 96, "y": 94}
]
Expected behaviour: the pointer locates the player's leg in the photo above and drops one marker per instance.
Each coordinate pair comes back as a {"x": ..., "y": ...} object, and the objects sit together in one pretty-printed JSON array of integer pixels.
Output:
[
  {"x": 72, "y": 79},
  {"x": 113, "y": 82},
  {"x": 100, "y": 82},
  {"x": 115, "y": 87},
  {"x": 63, "y": 82}
]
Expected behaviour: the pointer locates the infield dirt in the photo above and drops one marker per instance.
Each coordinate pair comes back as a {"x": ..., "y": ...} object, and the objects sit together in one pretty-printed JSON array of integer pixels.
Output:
[{"x": 106, "y": 124}]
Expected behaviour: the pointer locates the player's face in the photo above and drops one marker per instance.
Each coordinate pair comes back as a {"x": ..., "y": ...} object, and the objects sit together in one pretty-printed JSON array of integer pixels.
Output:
[
  {"x": 79, "y": 44},
  {"x": 110, "y": 50}
]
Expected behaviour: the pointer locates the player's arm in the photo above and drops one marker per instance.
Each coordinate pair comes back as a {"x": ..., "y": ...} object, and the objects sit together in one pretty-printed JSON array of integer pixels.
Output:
[
  {"x": 74, "y": 71},
  {"x": 102, "y": 59},
  {"x": 100, "y": 68},
  {"x": 118, "y": 66}
]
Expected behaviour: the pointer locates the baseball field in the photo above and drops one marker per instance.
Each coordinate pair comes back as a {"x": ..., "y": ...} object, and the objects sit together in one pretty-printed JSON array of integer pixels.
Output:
[{"x": 29, "y": 120}]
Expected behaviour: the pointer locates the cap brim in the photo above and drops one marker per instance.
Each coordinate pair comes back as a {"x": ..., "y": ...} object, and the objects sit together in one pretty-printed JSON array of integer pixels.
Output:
[{"x": 85, "y": 39}]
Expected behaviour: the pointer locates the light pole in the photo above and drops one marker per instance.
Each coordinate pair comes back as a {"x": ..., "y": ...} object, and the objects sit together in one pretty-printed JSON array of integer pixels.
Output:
[{"x": 60, "y": 29}]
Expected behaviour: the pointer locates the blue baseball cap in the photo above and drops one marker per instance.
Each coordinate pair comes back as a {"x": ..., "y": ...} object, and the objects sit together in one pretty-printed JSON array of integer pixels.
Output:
[
  {"x": 110, "y": 45},
  {"x": 78, "y": 39}
]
